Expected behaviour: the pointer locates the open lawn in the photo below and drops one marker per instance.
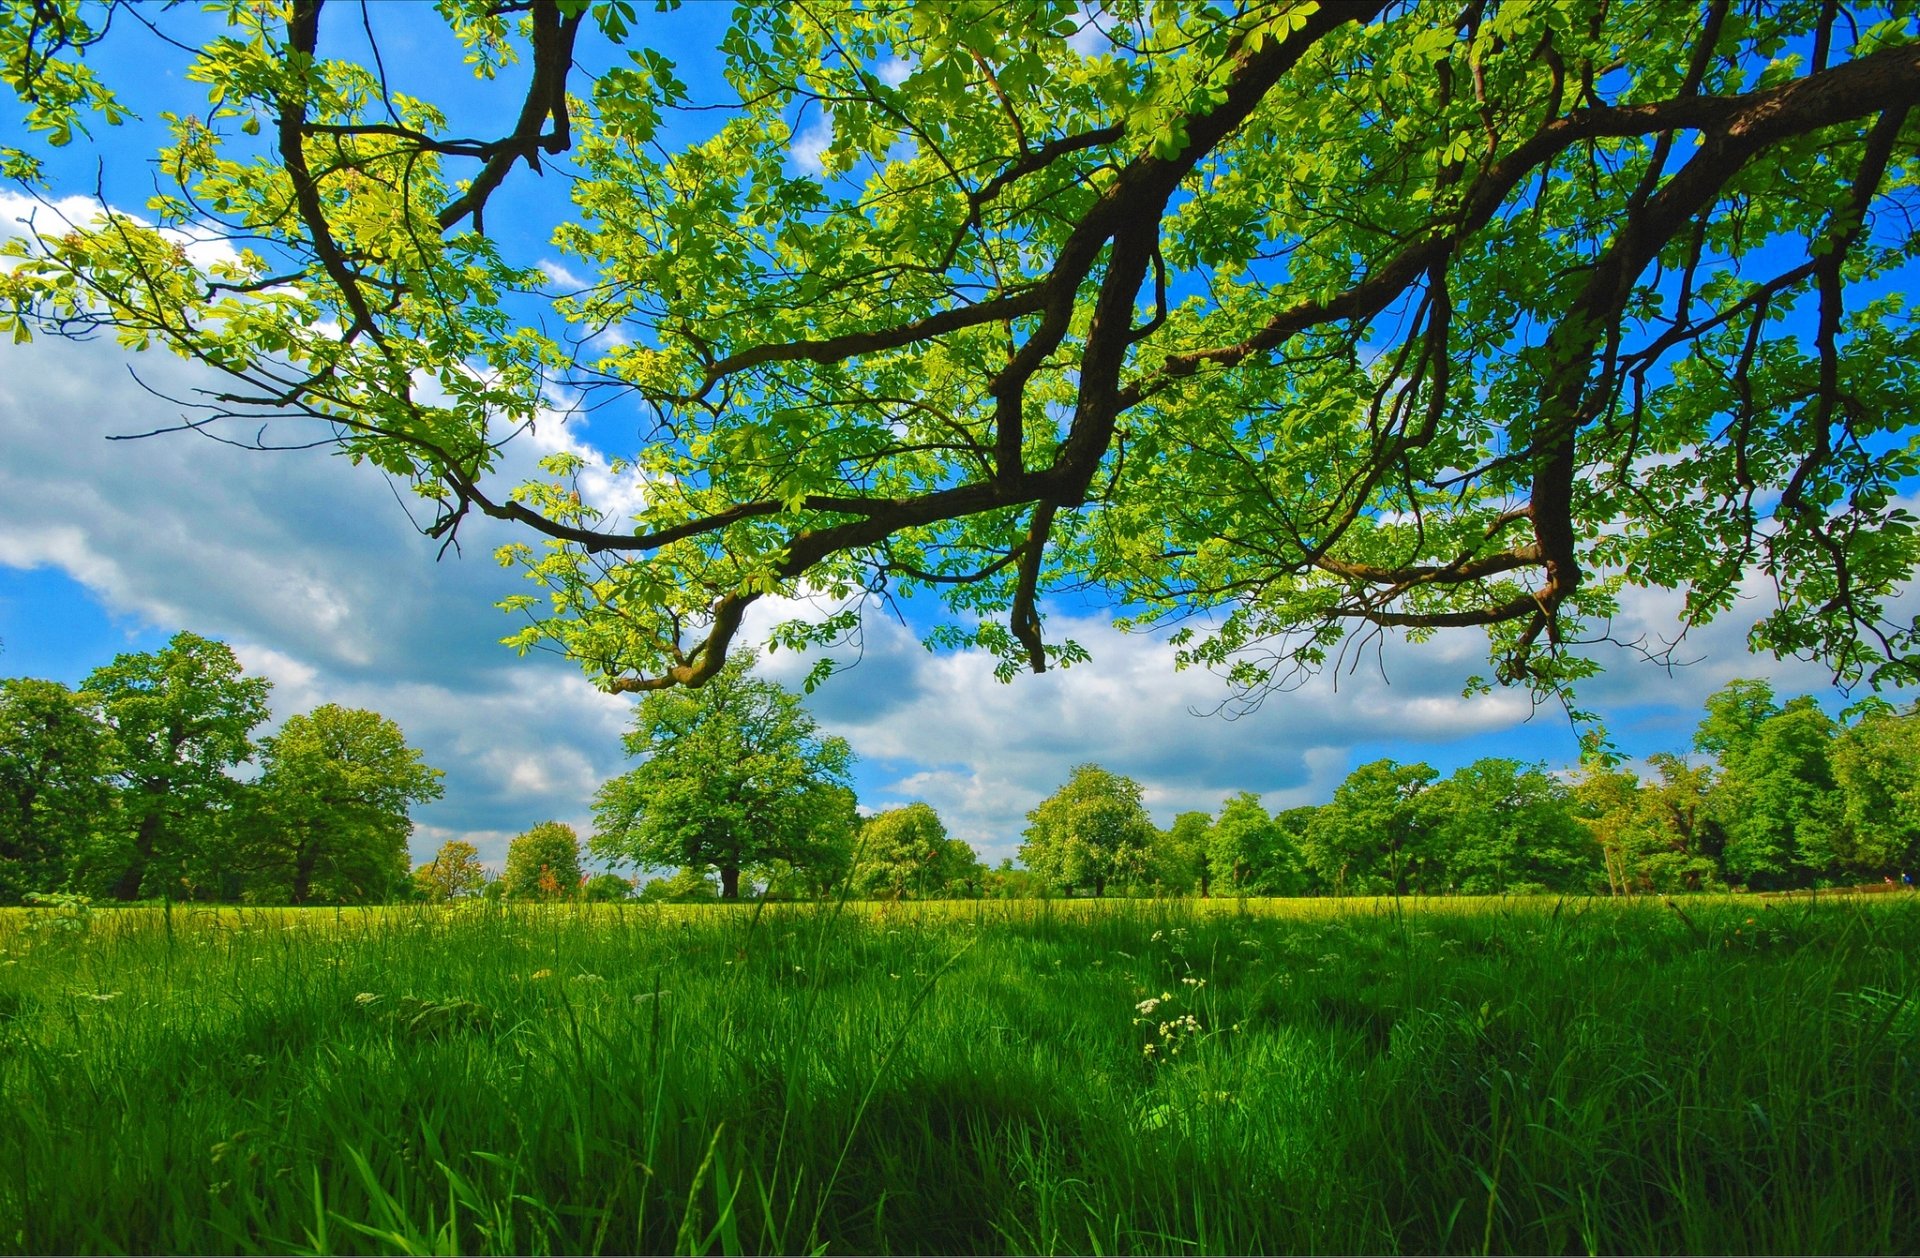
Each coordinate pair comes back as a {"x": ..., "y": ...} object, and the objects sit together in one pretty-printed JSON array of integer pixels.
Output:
[{"x": 1457, "y": 1075}]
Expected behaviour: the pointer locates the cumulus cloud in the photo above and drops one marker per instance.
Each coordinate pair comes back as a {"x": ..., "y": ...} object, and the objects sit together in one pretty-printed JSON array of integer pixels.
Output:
[
  {"x": 810, "y": 143},
  {"x": 310, "y": 568},
  {"x": 941, "y": 728}
]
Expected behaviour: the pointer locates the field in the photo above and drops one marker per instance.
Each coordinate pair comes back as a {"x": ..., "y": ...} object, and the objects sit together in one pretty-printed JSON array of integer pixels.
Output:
[{"x": 1542, "y": 1076}]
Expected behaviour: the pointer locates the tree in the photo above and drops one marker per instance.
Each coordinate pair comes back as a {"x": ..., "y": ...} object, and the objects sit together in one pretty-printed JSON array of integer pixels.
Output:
[
  {"x": 543, "y": 863},
  {"x": 1654, "y": 837},
  {"x": 328, "y": 818},
  {"x": 606, "y": 889},
  {"x": 182, "y": 716},
  {"x": 454, "y": 871},
  {"x": 56, "y": 797},
  {"x": 1777, "y": 801},
  {"x": 735, "y": 775},
  {"x": 820, "y": 867},
  {"x": 687, "y": 886},
  {"x": 1876, "y": 764},
  {"x": 1006, "y": 882},
  {"x": 1126, "y": 308},
  {"x": 1735, "y": 713},
  {"x": 1501, "y": 828},
  {"x": 1091, "y": 831},
  {"x": 1371, "y": 839},
  {"x": 902, "y": 850},
  {"x": 1178, "y": 860},
  {"x": 1249, "y": 850}
]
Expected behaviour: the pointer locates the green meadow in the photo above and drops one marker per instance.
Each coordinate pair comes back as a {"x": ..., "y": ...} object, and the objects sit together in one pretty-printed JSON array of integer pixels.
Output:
[{"x": 1538, "y": 1075}]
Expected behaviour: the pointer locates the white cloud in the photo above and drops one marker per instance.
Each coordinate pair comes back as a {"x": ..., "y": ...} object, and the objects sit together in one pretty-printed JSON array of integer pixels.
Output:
[
  {"x": 811, "y": 142},
  {"x": 942, "y": 729},
  {"x": 561, "y": 276},
  {"x": 1090, "y": 40},
  {"x": 309, "y": 567}
]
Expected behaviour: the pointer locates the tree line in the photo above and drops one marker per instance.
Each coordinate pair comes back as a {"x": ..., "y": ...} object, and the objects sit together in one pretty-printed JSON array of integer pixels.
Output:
[
  {"x": 1783, "y": 796},
  {"x": 127, "y": 788},
  {"x": 737, "y": 781}
]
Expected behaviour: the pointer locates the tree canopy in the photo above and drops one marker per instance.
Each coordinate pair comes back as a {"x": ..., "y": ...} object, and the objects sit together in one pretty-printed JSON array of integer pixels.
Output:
[
  {"x": 1092, "y": 831},
  {"x": 328, "y": 818},
  {"x": 1379, "y": 316},
  {"x": 735, "y": 776},
  {"x": 543, "y": 863},
  {"x": 182, "y": 716},
  {"x": 56, "y": 797},
  {"x": 454, "y": 871}
]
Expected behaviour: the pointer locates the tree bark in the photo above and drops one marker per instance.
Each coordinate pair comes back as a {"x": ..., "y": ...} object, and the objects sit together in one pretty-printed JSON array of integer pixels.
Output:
[
  {"x": 303, "y": 873},
  {"x": 729, "y": 883},
  {"x": 128, "y": 886}
]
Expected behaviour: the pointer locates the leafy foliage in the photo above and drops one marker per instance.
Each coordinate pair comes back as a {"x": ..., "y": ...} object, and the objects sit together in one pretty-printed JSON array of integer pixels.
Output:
[
  {"x": 543, "y": 863},
  {"x": 183, "y": 716},
  {"x": 1092, "y": 831},
  {"x": 327, "y": 819},
  {"x": 1558, "y": 301},
  {"x": 1250, "y": 852},
  {"x": 1505, "y": 828},
  {"x": 56, "y": 755},
  {"x": 906, "y": 852},
  {"x": 735, "y": 776},
  {"x": 1373, "y": 837},
  {"x": 454, "y": 871},
  {"x": 1179, "y": 861}
]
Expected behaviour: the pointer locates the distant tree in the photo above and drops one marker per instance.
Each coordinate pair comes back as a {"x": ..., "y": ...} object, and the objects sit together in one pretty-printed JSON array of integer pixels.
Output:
[
  {"x": 1674, "y": 843},
  {"x": 1251, "y": 852},
  {"x": 821, "y": 866},
  {"x": 687, "y": 886},
  {"x": 606, "y": 889},
  {"x": 905, "y": 851},
  {"x": 1734, "y": 716},
  {"x": 956, "y": 871},
  {"x": 1778, "y": 802},
  {"x": 182, "y": 716},
  {"x": 1876, "y": 764},
  {"x": 454, "y": 871},
  {"x": 543, "y": 863},
  {"x": 735, "y": 776},
  {"x": 1372, "y": 838},
  {"x": 1294, "y": 824},
  {"x": 1090, "y": 832},
  {"x": 328, "y": 818},
  {"x": 1006, "y": 881},
  {"x": 56, "y": 795},
  {"x": 1606, "y": 801},
  {"x": 1178, "y": 859},
  {"x": 1500, "y": 828}
]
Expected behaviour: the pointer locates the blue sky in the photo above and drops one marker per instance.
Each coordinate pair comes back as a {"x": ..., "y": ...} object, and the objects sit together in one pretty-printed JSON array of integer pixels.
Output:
[{"x": 311, "y": 569}]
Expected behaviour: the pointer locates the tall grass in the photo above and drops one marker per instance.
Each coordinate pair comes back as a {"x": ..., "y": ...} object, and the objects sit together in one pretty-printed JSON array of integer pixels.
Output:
[{"x": 1452, "y": 1076}]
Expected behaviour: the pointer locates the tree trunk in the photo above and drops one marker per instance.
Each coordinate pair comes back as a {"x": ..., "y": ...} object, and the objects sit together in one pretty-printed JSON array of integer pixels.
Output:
[
  {"x": 1099, "y": 885},
  {"x": 128, "y": 886},
  {"x": 729, "y": 883},
  {"x": 1206, "y": 884},
  {"x": 303, "y": 873}
]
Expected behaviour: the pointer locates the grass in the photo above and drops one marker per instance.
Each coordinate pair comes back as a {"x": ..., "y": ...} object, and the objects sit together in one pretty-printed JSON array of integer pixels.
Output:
[{"x": 1474, "y": 1076}]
